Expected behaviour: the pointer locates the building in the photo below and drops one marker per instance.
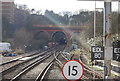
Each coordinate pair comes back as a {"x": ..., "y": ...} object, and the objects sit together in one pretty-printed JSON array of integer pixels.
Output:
[{"x": 7, "y": 7}]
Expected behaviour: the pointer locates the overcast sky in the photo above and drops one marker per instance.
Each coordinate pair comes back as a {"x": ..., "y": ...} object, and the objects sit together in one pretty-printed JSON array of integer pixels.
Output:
[{"x": 62, "y": 5}]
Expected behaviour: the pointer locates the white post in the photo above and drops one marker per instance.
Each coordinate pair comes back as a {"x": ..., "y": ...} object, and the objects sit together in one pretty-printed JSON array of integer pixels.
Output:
[{"x": 107, "y": 35}]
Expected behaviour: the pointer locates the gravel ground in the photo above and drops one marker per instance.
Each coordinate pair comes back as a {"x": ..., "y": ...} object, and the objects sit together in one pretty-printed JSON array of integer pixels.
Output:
[
  {"x": 33, "y": 73},
  {"x": 54, "y": 73},
  {"x": 61, "y": 59}
]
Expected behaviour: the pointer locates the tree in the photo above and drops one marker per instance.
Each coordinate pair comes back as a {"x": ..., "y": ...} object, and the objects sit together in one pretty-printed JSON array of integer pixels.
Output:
[{"x": 7, "y": 28}]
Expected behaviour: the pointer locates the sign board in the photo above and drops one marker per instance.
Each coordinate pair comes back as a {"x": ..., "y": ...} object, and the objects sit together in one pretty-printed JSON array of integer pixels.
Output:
[
  {"x": 97, "y": 53},
  {"x": 116, "y": 53},
  {"x": 72, "y": 70}
]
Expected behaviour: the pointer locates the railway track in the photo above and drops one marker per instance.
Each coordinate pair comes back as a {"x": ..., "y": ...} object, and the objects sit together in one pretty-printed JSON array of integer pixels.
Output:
[
  {"x": 26, "y": 55},
  {"x": 90, "y": 73},
  {"x": 58, "y": 61},
  {"x": 53, "y": 72},
  {"x": 9, "y": 66},
  {"x": 43, "y": 73},
  {"x": 42, "y": 66},
  {"x": 23, "y": 69},
  {"x": 17, "y": 61},
  {"x": 26, "y": 73},
  {"x": 15, "y": 69}
]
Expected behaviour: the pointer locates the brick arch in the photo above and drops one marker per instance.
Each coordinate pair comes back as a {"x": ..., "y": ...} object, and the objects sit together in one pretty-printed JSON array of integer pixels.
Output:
[{"x": 50, "y": 34}]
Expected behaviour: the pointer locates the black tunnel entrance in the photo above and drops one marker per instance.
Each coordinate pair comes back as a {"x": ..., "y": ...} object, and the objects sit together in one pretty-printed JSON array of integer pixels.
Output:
[
  {"x": 40, "y": 40},
  {"x": 42, "y": 36},
  {"x": 59, "y": 37}
]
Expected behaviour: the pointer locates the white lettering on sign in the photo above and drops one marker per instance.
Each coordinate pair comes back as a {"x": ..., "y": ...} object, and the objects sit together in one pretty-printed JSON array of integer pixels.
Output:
[
  {"x": 116, "y": 50},
  {"x": 118, "y": 56},
  {"x": 97, "y": 55},
  {"x": 97, "y": 49}
]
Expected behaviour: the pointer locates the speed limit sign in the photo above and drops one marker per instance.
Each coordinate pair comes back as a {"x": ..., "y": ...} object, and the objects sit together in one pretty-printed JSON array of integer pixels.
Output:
[{"x": 73, "y": 70}]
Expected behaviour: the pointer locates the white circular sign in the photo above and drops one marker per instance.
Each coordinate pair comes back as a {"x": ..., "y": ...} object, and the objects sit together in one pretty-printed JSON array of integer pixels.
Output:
[{"x": 73, "y": 70}]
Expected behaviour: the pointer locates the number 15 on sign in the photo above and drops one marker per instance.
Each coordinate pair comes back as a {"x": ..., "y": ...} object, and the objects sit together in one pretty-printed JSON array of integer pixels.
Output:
[{"x": 72, "y": 70}]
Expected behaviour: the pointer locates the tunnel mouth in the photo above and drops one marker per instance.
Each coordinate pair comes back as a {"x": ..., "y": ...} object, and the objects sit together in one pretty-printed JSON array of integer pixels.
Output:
[
  {"x": 40, "y": 40},
  {"x": 59, "y": 38},
  {"x": 41, "y": 35}
]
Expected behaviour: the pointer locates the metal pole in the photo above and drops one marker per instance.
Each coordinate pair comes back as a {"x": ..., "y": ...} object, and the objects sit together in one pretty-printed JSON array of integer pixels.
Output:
[
  {"x": 118, "y": 19},
  {"x": 94, "y": 35},
  {"x": 107, "y": 35}
]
